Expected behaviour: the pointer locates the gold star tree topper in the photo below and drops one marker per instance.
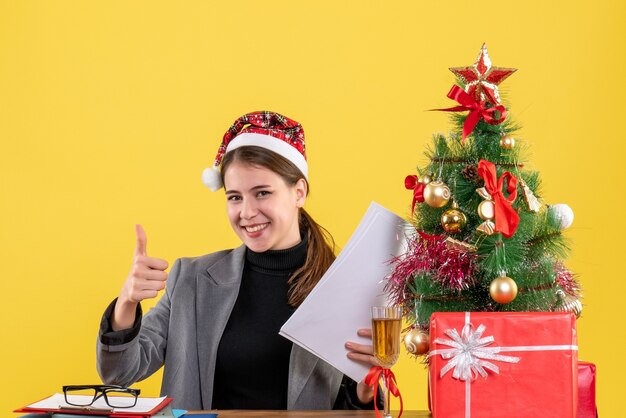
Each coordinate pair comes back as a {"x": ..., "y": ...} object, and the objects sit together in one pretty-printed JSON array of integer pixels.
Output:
[{"x": 481, "y": 79}]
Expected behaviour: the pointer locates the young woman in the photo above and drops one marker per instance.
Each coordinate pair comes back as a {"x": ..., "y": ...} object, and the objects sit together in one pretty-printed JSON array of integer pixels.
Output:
[{"x": 216, "y": 326}]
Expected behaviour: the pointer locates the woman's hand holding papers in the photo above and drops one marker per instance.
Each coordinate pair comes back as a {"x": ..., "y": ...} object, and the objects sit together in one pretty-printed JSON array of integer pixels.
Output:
[{"x": 363, "y": 353}]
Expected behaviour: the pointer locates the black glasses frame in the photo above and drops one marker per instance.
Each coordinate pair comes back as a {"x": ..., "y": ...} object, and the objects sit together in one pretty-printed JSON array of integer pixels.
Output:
[{"x": 101, "y": 391}]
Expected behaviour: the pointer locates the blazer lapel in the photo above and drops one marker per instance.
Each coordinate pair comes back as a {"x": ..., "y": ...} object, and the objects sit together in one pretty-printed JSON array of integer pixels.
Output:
[{"x": 217, "y": 290}]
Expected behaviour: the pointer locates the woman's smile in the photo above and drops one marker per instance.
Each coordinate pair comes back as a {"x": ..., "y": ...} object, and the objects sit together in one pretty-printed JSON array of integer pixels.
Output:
[{"x": 251, "y": 229}]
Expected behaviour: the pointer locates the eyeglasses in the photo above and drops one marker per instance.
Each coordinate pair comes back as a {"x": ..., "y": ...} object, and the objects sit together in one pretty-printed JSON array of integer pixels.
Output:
[{"x": 114, "y": 396}]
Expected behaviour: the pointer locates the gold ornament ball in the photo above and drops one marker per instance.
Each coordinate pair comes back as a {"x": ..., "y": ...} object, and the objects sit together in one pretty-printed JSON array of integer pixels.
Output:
[
  {"x": 425, "y": 179},
  {"x": 417, "y": 342},
  {"x": 569, "y": 303},
  {"x": 503, "y": 289},
  {"x": 486, "y": 210},
  {"x": 507, "y": 142},
  {"x": 453, "y": 221},
  {"x": 436, "y": 194}
]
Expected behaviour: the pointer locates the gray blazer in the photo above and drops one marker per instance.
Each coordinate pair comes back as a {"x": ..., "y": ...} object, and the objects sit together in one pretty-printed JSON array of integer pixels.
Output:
[{"x": 183, "y": 332}]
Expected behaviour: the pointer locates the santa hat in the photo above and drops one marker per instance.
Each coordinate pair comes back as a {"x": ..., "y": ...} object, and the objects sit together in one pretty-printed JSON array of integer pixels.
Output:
[{"x": 265, "y": 129}]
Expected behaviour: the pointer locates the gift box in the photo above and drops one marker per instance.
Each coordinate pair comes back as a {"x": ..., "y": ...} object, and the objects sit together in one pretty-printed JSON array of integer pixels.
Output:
[
  {"x": 503, "y": 364},
  {"x": 586, "y": 390}
]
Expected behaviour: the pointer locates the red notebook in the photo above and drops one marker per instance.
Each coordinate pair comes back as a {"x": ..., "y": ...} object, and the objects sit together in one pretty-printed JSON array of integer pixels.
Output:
[{"x": 146, "y": 407}]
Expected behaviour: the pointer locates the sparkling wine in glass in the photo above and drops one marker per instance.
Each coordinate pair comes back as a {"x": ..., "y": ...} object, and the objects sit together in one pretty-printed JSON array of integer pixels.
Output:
[{"x": 386, "y": 325}]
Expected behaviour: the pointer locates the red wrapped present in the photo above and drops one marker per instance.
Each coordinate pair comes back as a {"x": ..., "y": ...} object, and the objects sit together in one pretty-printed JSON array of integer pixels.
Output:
[
  {"x": 587, "y": 390},
  {"x": 503, "y": 364}
]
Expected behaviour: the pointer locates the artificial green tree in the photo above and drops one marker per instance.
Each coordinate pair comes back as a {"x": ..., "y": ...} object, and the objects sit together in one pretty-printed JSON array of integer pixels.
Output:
[{"x": 485, "y": 240}]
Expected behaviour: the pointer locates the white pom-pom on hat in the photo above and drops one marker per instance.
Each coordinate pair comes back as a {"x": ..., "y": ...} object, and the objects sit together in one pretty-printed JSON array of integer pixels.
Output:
[{"x": 212, "y": 179}]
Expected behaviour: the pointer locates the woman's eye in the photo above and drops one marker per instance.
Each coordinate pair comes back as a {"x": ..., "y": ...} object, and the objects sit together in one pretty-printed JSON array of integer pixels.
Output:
[
  {"x": 263, "y": 193},
  {"x": 233, "y": 198}
]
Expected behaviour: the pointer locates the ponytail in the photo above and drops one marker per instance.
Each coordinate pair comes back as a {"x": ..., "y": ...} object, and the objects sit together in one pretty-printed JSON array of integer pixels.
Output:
[{"x": 320, "y": 254}]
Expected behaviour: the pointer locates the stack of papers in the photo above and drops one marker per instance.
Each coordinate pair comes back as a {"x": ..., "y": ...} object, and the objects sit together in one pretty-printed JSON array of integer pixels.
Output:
[{"x": 340, "y": 303}]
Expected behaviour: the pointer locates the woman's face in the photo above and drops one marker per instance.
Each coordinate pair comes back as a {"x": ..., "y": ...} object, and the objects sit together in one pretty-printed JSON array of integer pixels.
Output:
[{"x": 262, "y": 208}]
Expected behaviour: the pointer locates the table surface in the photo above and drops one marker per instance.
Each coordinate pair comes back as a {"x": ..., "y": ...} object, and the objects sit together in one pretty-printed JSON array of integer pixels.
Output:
[{"x": 307, "y": 414}]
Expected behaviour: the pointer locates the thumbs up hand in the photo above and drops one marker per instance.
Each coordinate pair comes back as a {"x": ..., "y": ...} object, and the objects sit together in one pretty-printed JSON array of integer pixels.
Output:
[
  {"x": 146, "y": 278},
  {"x": 147, "y": 275}
]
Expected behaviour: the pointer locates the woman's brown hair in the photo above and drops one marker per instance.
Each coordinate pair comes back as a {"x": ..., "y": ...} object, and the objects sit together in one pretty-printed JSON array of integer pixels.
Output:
[{"x": 320, "y": 247}]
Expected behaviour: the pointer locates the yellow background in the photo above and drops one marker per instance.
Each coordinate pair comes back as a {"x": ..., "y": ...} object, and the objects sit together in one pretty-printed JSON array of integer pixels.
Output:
[{"x": 110, "y": 110}]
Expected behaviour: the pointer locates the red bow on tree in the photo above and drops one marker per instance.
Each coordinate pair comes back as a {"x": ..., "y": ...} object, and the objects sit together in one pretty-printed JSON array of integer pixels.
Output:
[
  {"x": 477, "y": 110},
  {"x": 428, "y": 237},
  {"x": 411, "y": 183},
  {"x": 372, "y": 379},
  {"x": 506, "y": 217}
]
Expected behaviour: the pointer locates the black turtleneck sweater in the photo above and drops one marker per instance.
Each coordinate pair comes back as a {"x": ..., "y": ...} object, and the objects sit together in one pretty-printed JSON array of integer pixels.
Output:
[
  {"x": 252, "y": 366},
  {"x": 252, "y": 370}
]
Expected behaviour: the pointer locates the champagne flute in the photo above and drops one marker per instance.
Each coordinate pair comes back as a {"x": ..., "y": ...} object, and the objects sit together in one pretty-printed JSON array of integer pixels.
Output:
[{"x": 386, "y": 324}]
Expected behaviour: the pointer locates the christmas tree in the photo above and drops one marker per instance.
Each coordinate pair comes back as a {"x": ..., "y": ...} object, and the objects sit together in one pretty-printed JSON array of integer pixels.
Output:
[{"x": 485, "y": 240}]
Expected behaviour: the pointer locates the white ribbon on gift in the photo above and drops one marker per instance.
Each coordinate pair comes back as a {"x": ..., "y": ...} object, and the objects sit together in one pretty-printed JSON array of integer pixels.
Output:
[{"x": 470, "y": 353}]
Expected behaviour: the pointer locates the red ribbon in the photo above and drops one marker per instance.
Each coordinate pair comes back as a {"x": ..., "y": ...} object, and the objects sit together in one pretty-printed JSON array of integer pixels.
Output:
[
  {"x": 372, "y": 380},
  {"x": 477, "y": 110},
  {"x": 411, "y": 183},
  {"x": 429, "y": 237},
  {"x": 507, "y": 218}
]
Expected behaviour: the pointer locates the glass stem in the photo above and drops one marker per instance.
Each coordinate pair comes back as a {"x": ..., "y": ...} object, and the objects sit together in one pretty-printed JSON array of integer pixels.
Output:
[{"x": 386, "y": 400}]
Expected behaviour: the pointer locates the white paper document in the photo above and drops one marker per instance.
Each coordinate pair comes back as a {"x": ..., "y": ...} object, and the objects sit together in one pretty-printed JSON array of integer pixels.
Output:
[
  {"x": 340, "y": 303},
  {"x": 57, "y": 401}
]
